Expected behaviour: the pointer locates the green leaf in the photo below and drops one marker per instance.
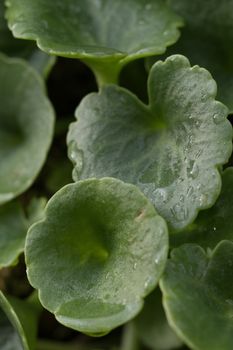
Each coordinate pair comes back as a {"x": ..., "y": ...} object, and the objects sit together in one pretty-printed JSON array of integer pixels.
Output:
[
  {"x": 18, "y": 323},
  {"x": 198, "y": 296},
  {"x": 104, "y": 247},
  {"x": 26, "y": 127},
  {"x": 213, "y": 225},
  {"x": 13, "y": 229},
  {"x": 171, "y": 149},
  {"x": 152, "y": 326},
  {"x": 207, "y": 40},
  {"x": 106, "y": 34},
  {"x": 23, "y": 49}
]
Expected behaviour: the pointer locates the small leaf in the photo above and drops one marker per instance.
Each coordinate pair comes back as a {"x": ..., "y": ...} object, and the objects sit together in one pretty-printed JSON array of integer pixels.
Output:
[
  {"x": 100, "y": 31},
  {"x": 207, "y": 40},
  {"x": 26, "y": 127},
  {"x": 23, "y": 49},
  {"x": 171, "y": 149},
  {"x": 13, "y": 229},
  {"x": 18, "y": 323},
  {"x": 212, "y": 225},
  {"x": 104, "y": 248},
  {"x": 152, "y": 326},
  {"x": 198, "y": 296}
]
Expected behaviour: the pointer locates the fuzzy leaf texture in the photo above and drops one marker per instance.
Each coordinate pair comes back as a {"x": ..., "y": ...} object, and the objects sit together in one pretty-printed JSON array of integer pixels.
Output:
[
  {"x": 198, "y": 296},
  {"x": 103, "y": 248},
  {"x": 26, "y": 127},
  {"x": 212, "y": 225},
  {"x": 172, "y": 148},
  {"x": 21, "y": 48},
  {"x": 206, "y": 40},
  {"x": 106, "y": 34}
]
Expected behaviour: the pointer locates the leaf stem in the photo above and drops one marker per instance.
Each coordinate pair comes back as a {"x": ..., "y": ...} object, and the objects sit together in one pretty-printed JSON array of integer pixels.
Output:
[
  {"x": 105, "y": 72},
  {"x": 130, "y": 340}
]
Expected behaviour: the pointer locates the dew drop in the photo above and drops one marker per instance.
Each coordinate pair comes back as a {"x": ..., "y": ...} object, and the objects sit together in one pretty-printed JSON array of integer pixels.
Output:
[
  {"x": 217, "y": 118},
  {"x": 161, "y": 194},
  {"x": 214, "y": 228},
  {"x": 193, "y": 169},
  {"x": 182, "y": 198},
  {"x": 179, "y": 212},
  {"x": 202, "y": 199},
  {"x": 135, "y": 266}
]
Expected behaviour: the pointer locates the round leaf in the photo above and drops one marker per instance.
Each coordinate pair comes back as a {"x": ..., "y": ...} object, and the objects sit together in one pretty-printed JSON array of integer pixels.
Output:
[
  {"x": 212, "y": 225},
  {"x": 26, "y": 127},
  {"x": 18, "y": 323},
  {"x": 24, "y": 49},
  {"x": 13, "y": 229},
  {"x": 152, "y": 326},
  {"x": 171, "y": 149},
  {"x": 198, "y": 296},
  {"x": 113, "y": 31},
  {"x": 207, "y": 40},
  {"x": 104, "y": 247}
]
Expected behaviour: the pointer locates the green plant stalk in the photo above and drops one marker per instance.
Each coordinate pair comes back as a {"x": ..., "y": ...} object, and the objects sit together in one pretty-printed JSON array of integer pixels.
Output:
[
  {"x": 105, "y": 72},
  {"x": 130, "y": 340}
]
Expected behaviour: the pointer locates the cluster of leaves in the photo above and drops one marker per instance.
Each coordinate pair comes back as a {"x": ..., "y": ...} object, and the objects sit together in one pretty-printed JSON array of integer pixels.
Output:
[{"x": 150, "y": 202}]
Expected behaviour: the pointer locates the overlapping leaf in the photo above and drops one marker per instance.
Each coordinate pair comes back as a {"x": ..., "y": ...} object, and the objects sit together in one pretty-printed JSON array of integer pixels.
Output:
[
  {"x": 13, "y": 229},
  {"x": 171, "y": 149},
  {"x": 207, "y": 40},
  {"x": 198, "y": 296},
  {"x": 152, "y": 326},
  {"x": 104, "y": 247},
  {"x": 26, "y": 127},
  {"x": 99, "y": 31},
  {"x": 24, "y": 49},
  {"x": 212, "y": 225},
  {"x": 18, "y": 322}
]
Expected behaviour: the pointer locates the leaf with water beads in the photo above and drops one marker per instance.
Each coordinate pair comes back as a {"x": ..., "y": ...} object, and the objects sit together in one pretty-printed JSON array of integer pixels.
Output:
[
  {"x": 106, "y": 34},
  {"x": 26, "y": 127},
  {"x": 171, "y": 149},
  {"x": 104, "y": 247},
  {"x": 198, "y": 295},
  {"x": 212, "y": 225}
]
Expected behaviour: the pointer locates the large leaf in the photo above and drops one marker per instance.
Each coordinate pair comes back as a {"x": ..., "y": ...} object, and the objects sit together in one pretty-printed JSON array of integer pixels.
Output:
[
  {"x": 18, "y": 323},
  {"x": 21, "y": 48},
  {"x": 26, "y": 127},
  {"x": 103, "y": 246},
  {"x": 207, "y": 40},
  {"x": 215, "y": 224},
  {"x": 152, "y": 326},
  {"x": 100, "y": 32},
  {"x": 198, "y": 296},
  {"x": 171, "y": 149},
  {"x": 13, "y": 229}
]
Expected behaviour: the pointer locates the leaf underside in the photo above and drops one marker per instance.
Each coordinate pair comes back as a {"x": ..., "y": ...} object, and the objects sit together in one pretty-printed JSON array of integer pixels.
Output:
[{"x": 113, "y": 30}]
